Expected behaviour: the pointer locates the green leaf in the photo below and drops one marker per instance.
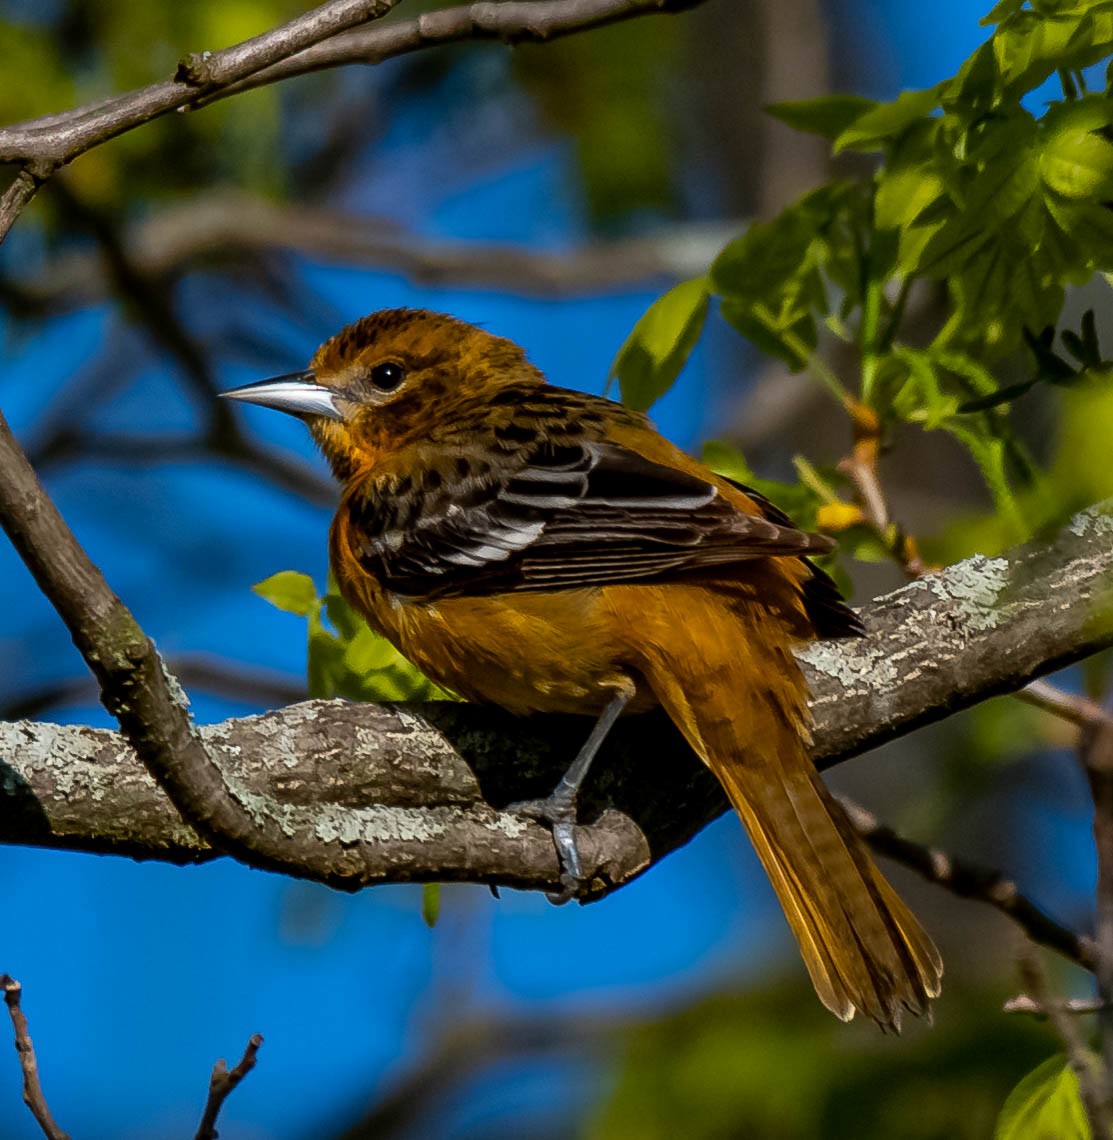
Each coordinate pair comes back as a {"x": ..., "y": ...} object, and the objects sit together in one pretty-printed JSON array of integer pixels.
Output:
[
  {"x": 1078, "y": 164},
  {"x": 430, "y": 903},
  {"x": 1000, "y": 10},
  {"x": 344, "y": 619},
  {"x": 660, "y": 343},
  {"x": 325, "y": 671},
  {"x": 828, "y": 116},
  {"x": 767, "y": 257},
  {"x": 886, "y": 121},
  {"x": 1029, "y": 46},
  {"x": 1044, "y": 1106},
  {"x": 794, "y": 344},
  {"x": 290, "y": 591},
  {"x": 368, "y": 653}
]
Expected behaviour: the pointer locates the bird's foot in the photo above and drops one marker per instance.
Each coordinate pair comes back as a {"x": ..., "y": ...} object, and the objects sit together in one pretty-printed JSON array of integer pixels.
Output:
[{"x": 559, "y": 812}]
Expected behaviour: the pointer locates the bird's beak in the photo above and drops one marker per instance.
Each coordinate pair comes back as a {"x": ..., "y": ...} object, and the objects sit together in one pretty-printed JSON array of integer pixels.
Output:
[{"x": 297, "y": 393}]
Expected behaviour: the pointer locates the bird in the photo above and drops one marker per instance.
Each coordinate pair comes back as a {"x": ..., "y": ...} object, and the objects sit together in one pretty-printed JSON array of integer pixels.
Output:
[{"x": 548, "y": 551}]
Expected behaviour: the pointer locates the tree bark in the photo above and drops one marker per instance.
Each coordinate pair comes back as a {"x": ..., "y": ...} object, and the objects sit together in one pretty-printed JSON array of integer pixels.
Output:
[{"x": 413, "y": 793}]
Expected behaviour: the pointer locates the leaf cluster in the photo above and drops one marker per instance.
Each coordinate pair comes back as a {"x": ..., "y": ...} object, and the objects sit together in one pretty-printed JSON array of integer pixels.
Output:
[
  {"x": 345, "y": 658},
  {"x": 980, "y": 195}
]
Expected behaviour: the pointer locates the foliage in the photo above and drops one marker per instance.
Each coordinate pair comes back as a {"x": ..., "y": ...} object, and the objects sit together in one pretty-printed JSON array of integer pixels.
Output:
[
  {"x": 345, "y": 658},
  {"x": 767, "y": 1065},
  {"x": 983, "y": 191},
  {"x": 1045, "y": 1106}
]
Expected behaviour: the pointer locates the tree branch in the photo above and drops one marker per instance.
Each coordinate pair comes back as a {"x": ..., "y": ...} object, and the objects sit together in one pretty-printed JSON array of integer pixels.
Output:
[
  {"x": 969, "y": 881},
  {"x": 512, "y": 22},
  {"x": 33, "y": 1095},
  {"x": 228, "y": 225},
  {"x": 222, "y": 1084},
  {"x": 44, "y": 144},
  {"x": 149, "y": 704},
  {"x": 19, "y": 192},
  {"x": 368, "y": 793}
]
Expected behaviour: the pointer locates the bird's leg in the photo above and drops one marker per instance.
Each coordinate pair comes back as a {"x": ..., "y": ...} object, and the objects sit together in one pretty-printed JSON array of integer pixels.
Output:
[{"x": 559, "y": 808}]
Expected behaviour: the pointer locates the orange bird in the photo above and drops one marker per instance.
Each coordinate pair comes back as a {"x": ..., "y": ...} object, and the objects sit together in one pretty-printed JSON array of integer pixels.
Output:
[{"x": 548, "y": 551}]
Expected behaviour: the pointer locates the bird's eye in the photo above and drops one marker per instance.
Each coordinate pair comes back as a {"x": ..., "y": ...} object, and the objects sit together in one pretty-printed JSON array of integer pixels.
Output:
[{"x": 388, "y": 375}]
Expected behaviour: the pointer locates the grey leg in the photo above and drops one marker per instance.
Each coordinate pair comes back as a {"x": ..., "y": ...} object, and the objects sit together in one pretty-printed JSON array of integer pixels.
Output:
[{"x": 559, "y": 809}]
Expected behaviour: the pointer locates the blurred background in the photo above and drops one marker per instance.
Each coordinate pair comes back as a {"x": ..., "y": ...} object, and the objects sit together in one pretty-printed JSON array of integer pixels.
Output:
[{"x": 548, "y": 193}]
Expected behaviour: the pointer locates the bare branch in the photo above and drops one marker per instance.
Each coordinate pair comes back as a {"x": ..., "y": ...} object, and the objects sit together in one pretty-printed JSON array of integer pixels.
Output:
[
  {"x": 221, "y": 68},
  {"x": 228, "y": 224},
  {"x": 44, "y": 144},
  {"x": 1096, "y": 755},
  {"x": 367, "y": 793},
  {"x": 222, "y": 1083},
  {"x": 148, "y": 703},
  {"x": 21, "y": 190},
  {"x": 969, "y": 881},
  {"x": 1025, "y": 1003},
  {"x": 33, "y": 1095},
  {"x": 511, "y": 22},
  {"x": 1086, "y": 1065},
  {"x": 236, "y": 680},
  {"x": 1069, "y": 706}
]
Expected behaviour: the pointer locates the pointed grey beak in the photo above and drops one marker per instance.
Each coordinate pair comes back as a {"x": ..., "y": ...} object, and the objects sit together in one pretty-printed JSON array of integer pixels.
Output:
[{"x": 297, "y": 393}]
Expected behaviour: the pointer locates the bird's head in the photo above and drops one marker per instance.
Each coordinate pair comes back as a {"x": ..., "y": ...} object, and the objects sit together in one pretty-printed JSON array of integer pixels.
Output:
[{"x": 389, "y": 379}]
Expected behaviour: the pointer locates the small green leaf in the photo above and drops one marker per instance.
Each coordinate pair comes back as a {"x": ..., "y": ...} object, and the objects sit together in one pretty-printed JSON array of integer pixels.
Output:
[
  {"x": 794, "y": 345},
  {"x": 660, "y": 343},
  {"x": 367, "y": 652},
  {"x": 344, "y": 619},
  {"x": 768, "y": 256},
  {"x": 1078, "y": 164},
  {"x": 1045, "y": 1106},
  {"x": 325, "y": 670},
  {"x": 828, "y": 116},
  {"x": 885, "y": 122},
  {"x": 1000, "y": 10},
  {"x": 290, "y": 591},
  {"x": 430, "y": 903}
]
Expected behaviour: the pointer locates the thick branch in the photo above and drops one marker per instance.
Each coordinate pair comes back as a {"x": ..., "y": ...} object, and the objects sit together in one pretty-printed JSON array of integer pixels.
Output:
[{"x": 373, "y": 794}]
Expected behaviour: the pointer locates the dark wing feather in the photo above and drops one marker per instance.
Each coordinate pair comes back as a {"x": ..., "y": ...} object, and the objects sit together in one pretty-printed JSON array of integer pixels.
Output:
[
  {"x": 559, "y": 516},
  {"x": 824, "y": 604}
]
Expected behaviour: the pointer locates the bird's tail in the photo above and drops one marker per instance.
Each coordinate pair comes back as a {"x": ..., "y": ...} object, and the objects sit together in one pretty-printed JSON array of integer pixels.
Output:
[{"x": 863, "y": 947}]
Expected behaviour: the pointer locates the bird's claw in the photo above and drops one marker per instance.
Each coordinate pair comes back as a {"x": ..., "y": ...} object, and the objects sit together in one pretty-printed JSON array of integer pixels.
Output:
[{"x": 559, "y": 812}]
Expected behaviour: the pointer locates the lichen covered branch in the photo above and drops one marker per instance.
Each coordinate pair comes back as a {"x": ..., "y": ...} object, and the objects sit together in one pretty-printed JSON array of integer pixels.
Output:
[{"x": 366, "y": 793}]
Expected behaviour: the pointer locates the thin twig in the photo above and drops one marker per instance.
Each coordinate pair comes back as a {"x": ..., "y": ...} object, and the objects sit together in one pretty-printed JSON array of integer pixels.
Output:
[
  {"x": 970, "y": 881},
  {"x": 1086, "y": 1065},
  {"x": 222, "y": 1083},
  {"x": 1025, "y": 1003},
  {"x": 1069, "y": 706},
  {"x": 13, "y": 200},
  {"x": 235, "y": 680},
  {"x": 1095, "y": 752},
  {"x": 32, "y": 1089}
]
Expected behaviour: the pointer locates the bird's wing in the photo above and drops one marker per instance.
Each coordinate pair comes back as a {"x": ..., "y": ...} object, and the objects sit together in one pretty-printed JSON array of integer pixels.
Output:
[{"x": 559, "y": 516}]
